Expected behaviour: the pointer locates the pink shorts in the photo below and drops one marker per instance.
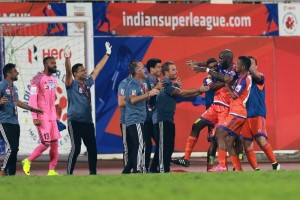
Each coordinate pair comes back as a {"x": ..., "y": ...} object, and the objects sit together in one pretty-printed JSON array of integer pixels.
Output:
[{"x": 48, "y": 131}]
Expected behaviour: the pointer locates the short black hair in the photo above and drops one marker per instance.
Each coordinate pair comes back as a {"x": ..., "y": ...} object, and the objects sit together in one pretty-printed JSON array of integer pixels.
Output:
[
  {"x": 152, "y": 63},
  {"x": 47, "y": 58},
  {"x": 132, "y": 66},
  {"x": 211, "y": 60},
  {"x": 245, "y": 61},
  {"x": 253, "y": 59},
  {"x": 165, "y": 67},
  {"x": 7, "y": 68},
  {"x": 75, "y": 68}
]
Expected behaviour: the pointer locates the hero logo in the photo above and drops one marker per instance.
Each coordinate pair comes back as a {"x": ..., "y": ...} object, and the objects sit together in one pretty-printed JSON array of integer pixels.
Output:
[
  {"x": 290, "y": 22},
  {"x": 33, "y": 53}
]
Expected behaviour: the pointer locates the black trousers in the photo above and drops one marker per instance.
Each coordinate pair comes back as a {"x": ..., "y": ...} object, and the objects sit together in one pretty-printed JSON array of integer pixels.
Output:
[
  {"x": 164, "y": 136},
  {"x": 148, "y": 135},
  {"x": 86, "y": 132},
  {"x": 136, "y": 148},
  {"x": 11, "y": 136}
]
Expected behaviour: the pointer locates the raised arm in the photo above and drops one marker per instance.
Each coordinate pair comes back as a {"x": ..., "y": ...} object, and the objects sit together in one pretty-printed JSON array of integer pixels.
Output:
[
  {"x": 102, "y": 62},
  {"x": 195, "y": 66},
  {"x": 256, "y": 74},
  {"x": 190, "y": 92},
  {"x": 69, "y": 77}
]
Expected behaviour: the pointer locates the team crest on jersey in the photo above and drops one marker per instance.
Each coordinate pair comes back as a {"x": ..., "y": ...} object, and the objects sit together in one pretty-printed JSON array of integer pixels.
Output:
[
  {"x": 7, "y": 91},
  {"x": 232, "y": 73},
  {"x": 122, "y": 92},
  {"x": 50, "y": 87},
  {"x": 33, "y": 90},
  {"x": 80, "y": 90},
  {"x": 145, "y": 86},
  {"x": 208, "y": 81},
  {"x": 238, "y": 88}
]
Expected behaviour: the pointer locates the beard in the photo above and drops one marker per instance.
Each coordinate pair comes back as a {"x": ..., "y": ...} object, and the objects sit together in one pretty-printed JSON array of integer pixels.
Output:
[{"x": 52, "y": 70}]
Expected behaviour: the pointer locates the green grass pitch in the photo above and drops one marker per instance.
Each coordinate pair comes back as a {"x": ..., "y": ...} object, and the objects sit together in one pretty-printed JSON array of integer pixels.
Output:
[{"x": 273, "y": 185}]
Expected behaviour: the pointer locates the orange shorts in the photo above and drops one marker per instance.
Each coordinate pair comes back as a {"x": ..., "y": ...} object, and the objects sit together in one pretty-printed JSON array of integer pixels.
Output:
[
  {"x": 215, "y": 114},
  {"x": 48, "y": 131},
  {"x": 254, "y": 127},
  {"x": 232, "y": 124}
]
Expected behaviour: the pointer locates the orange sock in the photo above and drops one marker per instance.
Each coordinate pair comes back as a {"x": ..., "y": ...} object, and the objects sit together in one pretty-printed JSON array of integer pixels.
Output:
[
  {"x": 252, "y": 159},
  {"x": 226, "y": 163},
  {"x": 269, "y": 152},
  {"x": 236, "y": 163},
  {"x": 222, "y": 158},
  {"x": 190, "y": 143}
]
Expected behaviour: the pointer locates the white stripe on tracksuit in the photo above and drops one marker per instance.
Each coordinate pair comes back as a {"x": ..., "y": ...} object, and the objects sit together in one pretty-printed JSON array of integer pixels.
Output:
[
  {"x": 141, "y": 152},
  {"x": 72, "y": 146},
  {"x": 125, "y": 158},
  {"x": 161, "y": 147},
  {"x": 8, "y": 153}
]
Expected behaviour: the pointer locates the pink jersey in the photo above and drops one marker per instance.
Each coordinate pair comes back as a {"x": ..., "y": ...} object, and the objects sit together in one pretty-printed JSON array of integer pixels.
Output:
[{"x": 42, "y": 95}]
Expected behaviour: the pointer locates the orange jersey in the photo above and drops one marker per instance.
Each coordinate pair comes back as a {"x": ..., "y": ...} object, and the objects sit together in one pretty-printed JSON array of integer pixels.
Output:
[{"x": 241, "y": 88}]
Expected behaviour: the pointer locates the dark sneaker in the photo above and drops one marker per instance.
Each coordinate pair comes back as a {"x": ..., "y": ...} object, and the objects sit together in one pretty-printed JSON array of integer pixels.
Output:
[
  {"x": 181, "y": 161},
  {"x": 276, "y": 166}
]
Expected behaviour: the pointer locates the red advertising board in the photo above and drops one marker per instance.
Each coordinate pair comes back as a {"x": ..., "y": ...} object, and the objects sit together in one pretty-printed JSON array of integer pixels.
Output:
[
  {"x": 287, "y": 96},
  {"x": 191, "y": 19}
]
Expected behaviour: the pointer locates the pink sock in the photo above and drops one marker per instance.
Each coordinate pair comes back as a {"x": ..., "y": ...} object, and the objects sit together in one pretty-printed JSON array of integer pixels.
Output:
[
  {"x": 37, "y": 152},
  {"x": 53, "y": 155}
]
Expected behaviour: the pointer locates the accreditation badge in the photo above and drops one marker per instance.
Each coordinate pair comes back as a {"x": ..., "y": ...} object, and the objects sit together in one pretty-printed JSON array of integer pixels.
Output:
[{"x": 16, "y": 108}]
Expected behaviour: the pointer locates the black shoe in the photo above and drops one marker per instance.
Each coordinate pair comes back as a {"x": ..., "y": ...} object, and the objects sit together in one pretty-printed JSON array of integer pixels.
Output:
[
  {"x": 153, "y": 171},
  {"x": 276, "y": 166},
  {"x": 137, "y": 172},
  {"x": 181, "y": 161}
]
